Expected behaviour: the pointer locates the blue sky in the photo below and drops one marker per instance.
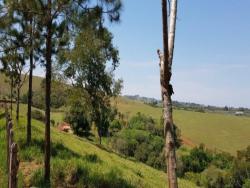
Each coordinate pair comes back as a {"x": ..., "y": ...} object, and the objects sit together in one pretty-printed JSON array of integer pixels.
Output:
[{"x": 212, "y": 50}]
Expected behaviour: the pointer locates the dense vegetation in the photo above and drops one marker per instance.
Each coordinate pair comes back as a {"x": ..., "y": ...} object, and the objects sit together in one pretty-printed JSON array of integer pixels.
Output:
[{"x": 216, "y": 169}]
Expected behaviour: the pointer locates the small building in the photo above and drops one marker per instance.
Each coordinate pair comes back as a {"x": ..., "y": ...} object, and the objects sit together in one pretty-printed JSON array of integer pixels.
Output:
[{"x": 65, "y": 127}]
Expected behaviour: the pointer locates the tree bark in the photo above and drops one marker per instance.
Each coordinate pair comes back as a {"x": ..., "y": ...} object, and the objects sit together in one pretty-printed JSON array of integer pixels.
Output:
[
  {"x": 11, "y": 96},
  {"x": 30, "y": 92},
  {"x": 17, "y": 103},
  {"x": 30, "y": 99},
  {"x": 166, "y": 91},
  {"x": 47, "y": 94}
]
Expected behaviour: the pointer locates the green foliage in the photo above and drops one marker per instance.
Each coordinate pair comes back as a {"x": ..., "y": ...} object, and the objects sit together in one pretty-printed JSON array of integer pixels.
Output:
[
  {"x": 222, "y": 160},
  {"x": 78, "y": 118},
  {"x": 141, "y": 145},
  {"x": 142, "y": 122},
  {"x": 197, "y": 161},
  {"x": 115, "y": 126},
  {"x": 38, "y": 115},
  {"x": 59, "y": 95},
  {"x": 246, "y": 183},
  {"x": 213, "y": 177}
]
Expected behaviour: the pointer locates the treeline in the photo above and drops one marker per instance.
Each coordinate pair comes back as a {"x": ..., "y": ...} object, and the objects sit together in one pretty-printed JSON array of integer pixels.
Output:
[{"x": 189, "y": 105}]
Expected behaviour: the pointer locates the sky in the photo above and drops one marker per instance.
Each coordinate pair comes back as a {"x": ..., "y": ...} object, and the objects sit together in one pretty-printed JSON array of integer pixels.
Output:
[{"x": 211, "y": 63}]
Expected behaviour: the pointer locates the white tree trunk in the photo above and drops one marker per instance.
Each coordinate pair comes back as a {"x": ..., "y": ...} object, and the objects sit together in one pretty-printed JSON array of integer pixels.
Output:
[
  {"x": 166, "y": 89},
  {"x": 172, "y": 29}
]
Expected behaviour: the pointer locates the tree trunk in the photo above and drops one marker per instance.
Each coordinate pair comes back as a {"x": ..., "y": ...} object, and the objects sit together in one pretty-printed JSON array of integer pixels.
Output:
[
  {"x": 47, "y": 94},
  {"x": 167, "y": 91},
  {"x": 30, "y": 99},
  {"x": 11, "y": 96},
  {"x": 17, "y": 103},
  {"x": 100, "y": 136}
]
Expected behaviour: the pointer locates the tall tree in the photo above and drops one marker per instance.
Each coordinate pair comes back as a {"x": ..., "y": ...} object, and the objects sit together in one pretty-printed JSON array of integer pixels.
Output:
[
  {"x": 87, "y": 64},
  {"x": 167, "y": 90}
]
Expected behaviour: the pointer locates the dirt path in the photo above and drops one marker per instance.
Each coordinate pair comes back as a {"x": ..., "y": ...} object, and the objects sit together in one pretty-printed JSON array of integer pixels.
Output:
[{"x": 188, "y": 142}]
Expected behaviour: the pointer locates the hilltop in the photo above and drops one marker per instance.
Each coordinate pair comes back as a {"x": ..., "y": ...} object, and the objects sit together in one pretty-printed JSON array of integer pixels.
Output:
[{"x": 5, "y": 87}]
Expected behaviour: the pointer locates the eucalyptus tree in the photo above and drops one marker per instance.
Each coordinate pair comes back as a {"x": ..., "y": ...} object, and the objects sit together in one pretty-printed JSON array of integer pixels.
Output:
[
  {"x": 166, "y": 60},
  {"x": 87, "y": 64}
]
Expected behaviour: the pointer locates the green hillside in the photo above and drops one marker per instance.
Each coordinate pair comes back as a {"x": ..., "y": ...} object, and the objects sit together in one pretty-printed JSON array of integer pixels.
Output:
[
  {"x": 224, "y": 132},
  {"x": 72, "y": 155},
  {"x": 5, "y": 87},
  {"x": 216, "y": 130}
]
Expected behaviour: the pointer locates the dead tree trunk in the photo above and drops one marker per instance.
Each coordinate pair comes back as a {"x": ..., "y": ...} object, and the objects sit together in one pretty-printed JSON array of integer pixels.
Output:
[{"x": 167, "y": 90}]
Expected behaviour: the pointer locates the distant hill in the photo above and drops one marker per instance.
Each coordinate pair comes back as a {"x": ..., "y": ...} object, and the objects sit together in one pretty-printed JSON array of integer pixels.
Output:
[
  {"x": 190, "y": 106},
  {"x": 5, "y": 86},
  {"x": 216, "y": 130}
]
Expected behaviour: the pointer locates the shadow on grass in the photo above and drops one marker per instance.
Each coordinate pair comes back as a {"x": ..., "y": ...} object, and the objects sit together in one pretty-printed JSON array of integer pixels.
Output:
[
  {"x": 36, "y": 147},
  {"x": 81, "y": 176},
  {"x": 35, "y": 151}
]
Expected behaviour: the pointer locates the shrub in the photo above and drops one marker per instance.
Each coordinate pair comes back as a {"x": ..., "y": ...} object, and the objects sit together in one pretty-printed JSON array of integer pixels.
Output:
[
  {"x": 197, "y": 160},
  {"x": 38, "y": 115},
  {"x": 38, "y": 100},
  {"x": 141, "y": 145},
  {"x": 78, "y": 118},
  {"x": 213, "y": 177},
  {"x": 142, "y": 122},
  {"x": 246, "y": 183},
  {"x": 115, "y": 126}
]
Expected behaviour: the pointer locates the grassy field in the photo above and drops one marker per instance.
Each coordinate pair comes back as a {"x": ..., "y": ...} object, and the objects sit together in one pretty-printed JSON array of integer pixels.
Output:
[
  {"x": 217, "y": 131},
  {"x": 70, "y": 154}
]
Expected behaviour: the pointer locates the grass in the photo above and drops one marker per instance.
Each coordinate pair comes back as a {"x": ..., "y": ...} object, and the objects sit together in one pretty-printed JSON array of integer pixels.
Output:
[
  {"x": 76, "y": 161},
  {"x": 217, "y": 131}
]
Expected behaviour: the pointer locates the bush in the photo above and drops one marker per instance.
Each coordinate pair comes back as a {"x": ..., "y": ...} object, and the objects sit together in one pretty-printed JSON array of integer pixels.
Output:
[
  {"x": 247, "y": 183},
  {"x": 38, "y": 100},
  {"x": 38, "y": 115},
  {"x": 142, "y": 122},
  {"x": 213, "y": 177},
  {"x": 115, "y": 126},
  {"x": 197, "y": 161},
  {"x": 141, "y": 145},
  {"x": 77, "y": 117}
]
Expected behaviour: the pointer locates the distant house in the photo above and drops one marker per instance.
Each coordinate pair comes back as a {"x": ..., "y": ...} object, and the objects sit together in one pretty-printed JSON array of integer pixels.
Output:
[
  {"x": 239, "y": 113},
  {"x": 64, "y": 127}
]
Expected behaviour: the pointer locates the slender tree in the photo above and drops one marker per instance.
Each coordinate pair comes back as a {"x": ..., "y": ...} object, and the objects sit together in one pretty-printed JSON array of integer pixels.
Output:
[
  {"x": 167, "y": 90},
  {"x": 87, "y": 65}
]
